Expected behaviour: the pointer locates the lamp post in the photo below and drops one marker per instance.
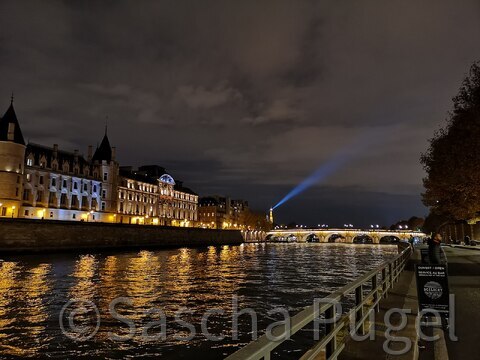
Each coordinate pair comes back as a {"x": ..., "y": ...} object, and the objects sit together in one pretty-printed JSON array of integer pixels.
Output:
[{"x": 13, "y": 210}]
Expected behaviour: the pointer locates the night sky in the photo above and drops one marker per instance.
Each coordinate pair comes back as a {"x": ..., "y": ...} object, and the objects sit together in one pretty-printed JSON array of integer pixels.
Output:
[{"x": 247, "y": 98}]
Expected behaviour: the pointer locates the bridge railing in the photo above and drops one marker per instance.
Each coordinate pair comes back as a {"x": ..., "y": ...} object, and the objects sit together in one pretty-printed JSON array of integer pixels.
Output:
[{"x": 380, "y": 280}]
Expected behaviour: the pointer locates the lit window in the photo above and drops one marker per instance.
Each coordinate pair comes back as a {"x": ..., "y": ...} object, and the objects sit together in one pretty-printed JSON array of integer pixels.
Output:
[{"x": 29, "y": 162}]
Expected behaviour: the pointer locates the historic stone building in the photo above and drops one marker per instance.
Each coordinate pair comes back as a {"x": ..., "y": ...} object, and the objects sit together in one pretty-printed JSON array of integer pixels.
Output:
[
  {"x": 41, "y": 182},
  {"x": 220, "y": 212},
  {"x": 150, "y": 196}
]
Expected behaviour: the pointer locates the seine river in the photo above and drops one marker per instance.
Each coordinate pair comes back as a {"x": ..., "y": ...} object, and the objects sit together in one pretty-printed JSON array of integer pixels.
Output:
[{"x": 160, "y": 289}]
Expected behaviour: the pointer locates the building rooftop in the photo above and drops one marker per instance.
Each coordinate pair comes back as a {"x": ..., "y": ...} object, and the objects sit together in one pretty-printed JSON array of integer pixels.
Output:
[{"x": 11, "y": 118}]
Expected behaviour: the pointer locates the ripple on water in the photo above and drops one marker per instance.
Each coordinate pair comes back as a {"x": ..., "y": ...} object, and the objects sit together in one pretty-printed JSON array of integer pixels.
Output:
[{"x": 261, "y": 277}]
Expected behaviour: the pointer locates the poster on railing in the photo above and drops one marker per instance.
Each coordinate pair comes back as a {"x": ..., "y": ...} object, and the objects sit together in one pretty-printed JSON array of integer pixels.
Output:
[{"x": 432, "y": 288}]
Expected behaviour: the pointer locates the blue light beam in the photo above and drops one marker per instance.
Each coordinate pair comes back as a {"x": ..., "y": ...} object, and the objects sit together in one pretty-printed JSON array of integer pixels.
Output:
[{"x": 338, "y": 160}]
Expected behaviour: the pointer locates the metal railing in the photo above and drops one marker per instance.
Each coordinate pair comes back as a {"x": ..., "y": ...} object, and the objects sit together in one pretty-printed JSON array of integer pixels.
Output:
[{"x": 333, "y": 341}]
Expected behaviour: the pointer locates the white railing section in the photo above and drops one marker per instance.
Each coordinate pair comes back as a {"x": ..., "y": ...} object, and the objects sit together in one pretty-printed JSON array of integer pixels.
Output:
[{"x": 333, "y": 341}]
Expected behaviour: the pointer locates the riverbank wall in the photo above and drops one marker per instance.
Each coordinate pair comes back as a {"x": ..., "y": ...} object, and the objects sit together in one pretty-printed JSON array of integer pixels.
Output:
[{"x": 22, "y": 235}]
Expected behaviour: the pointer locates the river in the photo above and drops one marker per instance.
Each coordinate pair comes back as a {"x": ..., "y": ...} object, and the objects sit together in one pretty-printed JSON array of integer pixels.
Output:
[{"x": 151, "y": 287}]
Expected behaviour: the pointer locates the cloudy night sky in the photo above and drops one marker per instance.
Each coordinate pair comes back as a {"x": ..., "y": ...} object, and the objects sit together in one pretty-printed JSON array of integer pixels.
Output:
[{"x": 248, "y": 98}]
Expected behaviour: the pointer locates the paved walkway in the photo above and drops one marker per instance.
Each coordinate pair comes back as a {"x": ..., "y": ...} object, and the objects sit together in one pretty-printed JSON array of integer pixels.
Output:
[
  {"x": 402, "y": 296},
  {"x": 464, "y": 282}
]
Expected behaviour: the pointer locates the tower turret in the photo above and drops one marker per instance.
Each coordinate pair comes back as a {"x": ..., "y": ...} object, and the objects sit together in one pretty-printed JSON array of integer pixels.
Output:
[{"x": 12, "y": 160}]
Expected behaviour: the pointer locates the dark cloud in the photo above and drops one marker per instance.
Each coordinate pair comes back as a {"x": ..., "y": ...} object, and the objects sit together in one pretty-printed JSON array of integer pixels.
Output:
[{"x": 247, "y": 97}]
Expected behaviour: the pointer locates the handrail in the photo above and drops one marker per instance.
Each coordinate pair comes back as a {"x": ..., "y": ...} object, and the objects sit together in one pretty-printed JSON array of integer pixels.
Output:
[{"x": 389, "y": 272}]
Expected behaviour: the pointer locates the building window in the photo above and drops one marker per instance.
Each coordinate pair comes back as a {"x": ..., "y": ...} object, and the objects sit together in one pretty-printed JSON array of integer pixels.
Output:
[
  {"x": 74, "y": 216},
  {"x": 104, "y": 194},
  {"x": 51, "y": 214},
  {"x": 29, "y": 162},
  {"x": 27, "y": 212},
  {"x": 64, "y": 183},
  {"x": 103, "y": 206},
  {"x": 105, "y": 176},
  {"x": 40, "y": 181},
  {"x": 29, "y": 177},
  {"x": 4, "y": 211},
  {"x": 25, "y": 194},
  {"x": 75, "y": 186},
  {"x": 85, "y": 187},
  {"x": 94, "y": 188},
  {"x": 54, "y": 182}
]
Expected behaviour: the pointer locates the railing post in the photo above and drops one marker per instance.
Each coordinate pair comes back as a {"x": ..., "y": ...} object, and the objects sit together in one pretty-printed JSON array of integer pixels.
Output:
[
  {"x": 329, "y": 327},
  {"x": 390, "y": 275},
  {"x": 375, "y": 292},
  {"x": 394, "y": 271},
  {"x": 359, "y": 305},
  {"x": 397, "y": 270},
  {"x": 384, "y": 282}
]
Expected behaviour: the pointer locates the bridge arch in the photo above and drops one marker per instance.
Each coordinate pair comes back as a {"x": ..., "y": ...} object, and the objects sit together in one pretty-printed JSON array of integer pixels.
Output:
[
  {"x": 312, "y": 237},
  {"x": 390, "y": 239},
  {"x": 363, "y": 239},
  {"x": 336, "y": 238}
]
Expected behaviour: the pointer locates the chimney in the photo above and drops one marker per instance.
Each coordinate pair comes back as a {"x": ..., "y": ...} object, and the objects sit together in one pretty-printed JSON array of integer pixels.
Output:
[
  {"x": 11, "y": 132},
  {"x": 55, "y": 151},
  {"x": 90, "y": 152},
  {"x": 114, "y": 152}
]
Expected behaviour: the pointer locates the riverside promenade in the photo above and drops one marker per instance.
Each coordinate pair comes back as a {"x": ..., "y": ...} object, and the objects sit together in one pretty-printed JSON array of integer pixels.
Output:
[
  {"x": 464, "y": 283},
  {"x": 403, "y": 295}
]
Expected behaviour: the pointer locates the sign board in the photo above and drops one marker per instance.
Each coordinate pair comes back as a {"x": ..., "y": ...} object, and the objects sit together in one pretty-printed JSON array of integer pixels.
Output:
[{"x": 432, "y": 287}]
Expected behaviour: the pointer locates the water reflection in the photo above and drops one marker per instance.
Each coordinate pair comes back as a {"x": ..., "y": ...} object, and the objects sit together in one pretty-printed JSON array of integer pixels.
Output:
[
  {"x": 261, "y": 276},
  {"x": 84, "y": 278},
  {"x": 23, "y": 308}
]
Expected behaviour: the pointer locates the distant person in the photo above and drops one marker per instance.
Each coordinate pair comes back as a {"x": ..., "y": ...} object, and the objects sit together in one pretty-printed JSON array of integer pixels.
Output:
[
  {"x": 467, "y": 240},
  {"x": 434, "y": 249}
]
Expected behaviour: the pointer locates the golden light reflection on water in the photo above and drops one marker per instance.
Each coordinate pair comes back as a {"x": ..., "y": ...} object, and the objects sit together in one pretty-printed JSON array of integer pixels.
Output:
[
  {"x": 179, "y": 283},
  {"x": 27, "y": 287},
  {"x": 8, "y": 274},
  {"x": 35, "y": 287},
  {"x": 143, "y": 275},
  {"x": 263, "y": 276},
  {"x": 84, "y": 273}
]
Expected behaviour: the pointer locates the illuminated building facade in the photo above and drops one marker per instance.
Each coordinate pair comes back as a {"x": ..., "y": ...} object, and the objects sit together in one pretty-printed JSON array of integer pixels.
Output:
[
  {"x": 219, "y": 212},
  {"x": 150, "y": 196},
  {"x": 40, "y": 182}
]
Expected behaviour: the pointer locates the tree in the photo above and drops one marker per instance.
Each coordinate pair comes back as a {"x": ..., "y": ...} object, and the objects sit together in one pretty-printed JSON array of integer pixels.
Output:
[{"x": 452, "y": 162}]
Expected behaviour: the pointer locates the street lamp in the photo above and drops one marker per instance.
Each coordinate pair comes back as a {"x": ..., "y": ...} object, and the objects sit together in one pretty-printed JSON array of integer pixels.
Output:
[{"x": 13, "y": 210}]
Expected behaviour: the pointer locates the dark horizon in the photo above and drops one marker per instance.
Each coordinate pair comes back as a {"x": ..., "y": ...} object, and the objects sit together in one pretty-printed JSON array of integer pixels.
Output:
[{"x": 247, "y": 99}]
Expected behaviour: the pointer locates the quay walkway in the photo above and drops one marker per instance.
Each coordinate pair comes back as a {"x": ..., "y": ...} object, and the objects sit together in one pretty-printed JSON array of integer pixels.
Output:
[{"x": 464, "y": 282}]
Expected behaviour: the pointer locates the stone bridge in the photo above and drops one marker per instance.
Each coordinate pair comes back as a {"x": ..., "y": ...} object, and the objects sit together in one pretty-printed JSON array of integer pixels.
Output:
[{"x": 375, "y": 236}]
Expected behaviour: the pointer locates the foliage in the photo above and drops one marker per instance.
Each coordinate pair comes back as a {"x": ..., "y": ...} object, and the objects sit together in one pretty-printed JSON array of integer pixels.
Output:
[{"x": 452, "y": 162}]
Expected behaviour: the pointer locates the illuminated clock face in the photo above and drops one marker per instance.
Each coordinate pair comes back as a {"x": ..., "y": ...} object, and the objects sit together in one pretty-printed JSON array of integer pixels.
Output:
[{"x": 165, "y": 178}]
